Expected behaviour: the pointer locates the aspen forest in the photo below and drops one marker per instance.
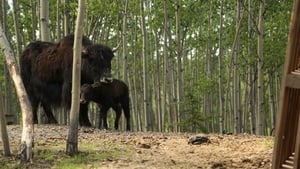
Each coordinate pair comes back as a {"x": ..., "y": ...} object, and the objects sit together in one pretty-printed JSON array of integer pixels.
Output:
[{"x": 195, "y": 66}]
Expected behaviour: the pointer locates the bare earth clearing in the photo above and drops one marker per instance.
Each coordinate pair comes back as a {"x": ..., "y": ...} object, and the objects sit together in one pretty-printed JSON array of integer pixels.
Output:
[{"x": 151, "y": 150}]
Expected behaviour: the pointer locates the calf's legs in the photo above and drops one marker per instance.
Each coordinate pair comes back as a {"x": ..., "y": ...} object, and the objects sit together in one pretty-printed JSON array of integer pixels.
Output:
[
  {"x": 103, "y": 117},
  {"x": 126, "y": 109},
  {"x": 118, "y": 110},
  {"x": 83, "y": 115}
]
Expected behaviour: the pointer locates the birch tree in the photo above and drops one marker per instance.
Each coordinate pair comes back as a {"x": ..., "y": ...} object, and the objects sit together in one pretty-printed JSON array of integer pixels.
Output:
[
  {"x": 251, "y": 70},
  {"x": 3, "y": 129},
  {"x": 72, "y": 141},
  {"x": 180, "y": 84},
  {"x": 236, "y": 79},
  {"x": 44, "y": 20},
  {"x": 208, "y": 68},
  {"x": 260, "y": 83},
  {"x": 272, "y": 101},
  {"x": 165, "y": 69},
  {"x": 33, "y": 19},
  {"x": 66, "y": 18},
  {"x": 157, "y": 80},
  {"x": 17, "y": 28},
  {"x": 220, "y": 61},
  {"x": 124, "y": 38},
  {"x": 8, "y": 91},
  {"x": 26, "y": 149},
  {"x": 58, "y": 19},
  {"x": 147, "y": 110}
]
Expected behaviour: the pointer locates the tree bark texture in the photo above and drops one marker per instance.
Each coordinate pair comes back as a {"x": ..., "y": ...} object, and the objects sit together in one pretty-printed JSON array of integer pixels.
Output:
[
  {"x": 180, "y": 84},
  {"x": 3, "y": 129},
  {"x": 26, "y": 151},
  {"x": 260, "y": 88},
  {"x": 33, "y": 5},
  {"x": 72, "y": 141},
  {"x": 44, "y": 20},
  {"x": 17, "y": 28},
  {"x": 147, "y": 110},
  {"x": 220, "y": 64},
  {"x": 236, "y": 79},
  {"x": 124, "y": 39},
  {"x": 8, "y": 91},
  {"x": 66, "y": 18}
]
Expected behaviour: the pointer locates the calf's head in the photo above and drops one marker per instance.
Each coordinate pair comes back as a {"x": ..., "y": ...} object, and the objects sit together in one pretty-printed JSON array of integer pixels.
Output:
[
  {"x": 96, "y": 62},
  {"x": 86, "y": 92}
]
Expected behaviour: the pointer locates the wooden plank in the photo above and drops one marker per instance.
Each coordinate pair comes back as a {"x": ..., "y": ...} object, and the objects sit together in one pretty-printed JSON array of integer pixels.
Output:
[
  {"x": 290, "y": 162},
  {"x": 297, "y": 148},
  {"x": 293, "y": 80},
  {"x": 281, "y": 126},
  {"x": 297, "y": 71},
  {"x": 287, "y": 166},
  {"x": 284, "y": 119}
]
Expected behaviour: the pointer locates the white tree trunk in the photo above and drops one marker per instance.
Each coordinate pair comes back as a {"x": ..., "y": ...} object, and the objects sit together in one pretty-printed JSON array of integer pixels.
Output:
[
  {"x": 72, "y": 142},
  {"x": 180, "y": 84},
  {"x": 165, "y": 71},
  {"x": 16, "y": 26},
  {"x": 44, "y": 20},
  {"x": 58, "y": 20},
  {"x": 33, "y": 5},
  {"x": 147, "y": 110},
  {"x": 236, "y": 79},
  {"x": 260, "y": 86},
  {"x": 26, "y": 150},
  {"x": 124, "y": 37},
  {"x": 66, "y": 18},
  {"x": 220, "y": 64}
]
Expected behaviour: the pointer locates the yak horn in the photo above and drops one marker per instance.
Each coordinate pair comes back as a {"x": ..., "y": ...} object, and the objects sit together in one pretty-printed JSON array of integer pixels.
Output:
[{"x": 116, "y": 48}]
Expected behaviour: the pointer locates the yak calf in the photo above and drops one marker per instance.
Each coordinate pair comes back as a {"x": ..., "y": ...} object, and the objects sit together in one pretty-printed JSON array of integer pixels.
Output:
[{"x": 106, "y": 95}]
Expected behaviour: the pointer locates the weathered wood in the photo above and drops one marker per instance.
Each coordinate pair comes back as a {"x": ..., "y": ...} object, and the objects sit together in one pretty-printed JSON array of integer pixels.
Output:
[
  {"x": 297, "y": 154},
  {"x": 293, "y": 81},
  {"x": 287, "y": 140}
]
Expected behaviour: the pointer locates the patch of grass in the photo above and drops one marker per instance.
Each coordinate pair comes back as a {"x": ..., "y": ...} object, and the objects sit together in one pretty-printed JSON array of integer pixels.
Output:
[
  {"x": 269, "y": 143},
  {"x": 3, "y": 164},
  {"x": 91, "y": 154},
  {"x": 10, "y": 163},
  {"x": 80, "y": 160},
  {"x": 54, "y": 156}
]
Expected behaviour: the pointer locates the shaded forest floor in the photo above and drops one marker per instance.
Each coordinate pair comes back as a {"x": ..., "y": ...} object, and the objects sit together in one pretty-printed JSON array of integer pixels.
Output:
[{"x": 137, "y": 150}]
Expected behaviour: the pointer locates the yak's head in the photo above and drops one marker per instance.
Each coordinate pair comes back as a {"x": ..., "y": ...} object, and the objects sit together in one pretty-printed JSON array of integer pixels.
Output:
[{"x": 96, "y": 62}]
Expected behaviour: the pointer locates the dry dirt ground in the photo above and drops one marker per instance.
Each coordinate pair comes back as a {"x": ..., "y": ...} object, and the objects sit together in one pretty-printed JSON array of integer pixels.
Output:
[{"x": 158, "y": 150}]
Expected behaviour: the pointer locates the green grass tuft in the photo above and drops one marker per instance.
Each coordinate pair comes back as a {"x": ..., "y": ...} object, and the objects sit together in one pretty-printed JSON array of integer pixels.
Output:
[{"x": 91, "y": 155}]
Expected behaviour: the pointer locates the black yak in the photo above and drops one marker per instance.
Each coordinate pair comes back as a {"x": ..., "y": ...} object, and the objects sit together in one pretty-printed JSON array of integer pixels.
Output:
[
  {"x": 46, "y": 71},
  {"x": 106, "y": 95}
]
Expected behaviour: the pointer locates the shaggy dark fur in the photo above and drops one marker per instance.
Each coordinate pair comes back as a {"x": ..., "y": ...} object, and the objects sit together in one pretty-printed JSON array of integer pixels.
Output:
[
  {"x": 46, "y": 71},
  {"x": 106, "y": 95}
]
